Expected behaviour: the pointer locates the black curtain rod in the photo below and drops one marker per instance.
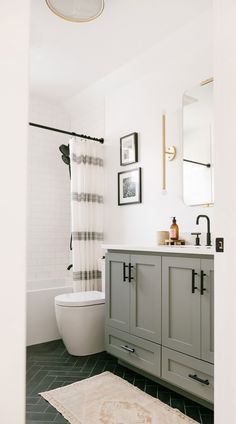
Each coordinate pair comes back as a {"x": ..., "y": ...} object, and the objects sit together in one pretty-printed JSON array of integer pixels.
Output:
[
  {"x": 100, "y": 140},
  {"x": 208, "y": 165}
]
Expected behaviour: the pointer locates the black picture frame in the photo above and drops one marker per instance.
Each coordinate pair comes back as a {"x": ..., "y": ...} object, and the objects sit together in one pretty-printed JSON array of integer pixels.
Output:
[
  {"x": 129, "y": 149},
  {"x": 130, "y": 187}
]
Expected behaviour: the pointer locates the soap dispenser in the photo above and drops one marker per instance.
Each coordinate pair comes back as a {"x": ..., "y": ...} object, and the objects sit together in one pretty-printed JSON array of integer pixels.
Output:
[{"x": 174, "y": 230}]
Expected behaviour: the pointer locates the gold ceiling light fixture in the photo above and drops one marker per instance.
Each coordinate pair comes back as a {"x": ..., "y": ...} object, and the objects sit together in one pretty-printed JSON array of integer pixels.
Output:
[{"x": 76, "y": 10}]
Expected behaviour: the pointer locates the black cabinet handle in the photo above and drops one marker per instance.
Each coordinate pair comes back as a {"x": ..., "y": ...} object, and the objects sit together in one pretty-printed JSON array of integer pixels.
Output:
[
  {"x": 128, "y": 349},
  {"x": 202, "y": 282},
  {"x": 124, "y": 272},
  {"x": 200, "y": 380},
  {"x": 130, "y": 277},
  {"x": 193, "y": 281}
]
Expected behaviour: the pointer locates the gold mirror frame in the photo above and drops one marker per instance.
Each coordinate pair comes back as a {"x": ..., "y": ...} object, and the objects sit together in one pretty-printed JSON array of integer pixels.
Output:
[{"x": 205, "y": 205}]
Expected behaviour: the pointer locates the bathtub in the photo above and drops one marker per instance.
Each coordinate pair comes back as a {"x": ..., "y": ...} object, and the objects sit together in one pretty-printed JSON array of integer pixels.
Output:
[{"x": 41, "y": 321}]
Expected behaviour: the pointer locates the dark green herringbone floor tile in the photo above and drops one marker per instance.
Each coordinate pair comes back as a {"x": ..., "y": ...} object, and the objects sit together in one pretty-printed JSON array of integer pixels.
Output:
[
  {"x": 140, "y": 384},
  {"x": 49, "y": 366},
  {"x": 60, "y": 419},
  {"x": 99, "y": 367},
  {"x": 43, "y": 385},
  {"x": 32, "y": 400},
  {"x": 40, "y": 416},
  {"x": 72, "y": 373},
  {"x": 177, "y": 404},
  {"x": 207, "y": 419},
  {"x": 151, "y": 390},
  {"x": 164, "y": 396},
  {"x": 193, "y": 412},
  {"x": 37, "y": 408},
  {"x": 30, "y": 421}
]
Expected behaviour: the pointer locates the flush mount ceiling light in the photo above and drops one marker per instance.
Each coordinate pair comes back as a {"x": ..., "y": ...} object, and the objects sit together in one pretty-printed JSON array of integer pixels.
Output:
[{"x": 76, "y": 10}]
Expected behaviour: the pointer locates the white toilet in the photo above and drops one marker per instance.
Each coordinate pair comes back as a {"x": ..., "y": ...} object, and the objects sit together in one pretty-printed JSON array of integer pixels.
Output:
[{"x": 81, "y": 321}]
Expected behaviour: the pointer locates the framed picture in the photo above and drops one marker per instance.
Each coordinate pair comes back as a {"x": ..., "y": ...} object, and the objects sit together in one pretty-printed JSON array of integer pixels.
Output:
[
  {"x": 129, "y": 149},
  {"x": 129, "y": 187}
]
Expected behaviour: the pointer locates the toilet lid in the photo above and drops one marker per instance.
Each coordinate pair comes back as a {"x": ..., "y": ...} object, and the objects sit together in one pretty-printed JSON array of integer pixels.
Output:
[{"x": 80, "y": 298}]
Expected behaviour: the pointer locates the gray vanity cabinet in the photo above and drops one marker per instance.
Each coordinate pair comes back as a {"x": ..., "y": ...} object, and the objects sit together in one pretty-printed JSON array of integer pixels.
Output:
[
  {"x": 207, "y": 310},
  {"x": 133, "y": 290},
  {"x": 145, "y": 297},
  {"x": 187, "y": 306},
  {"x": 181, "y": 304},
  {"x": 160, "y": 317},
  {"x": 117, "y": 291}
]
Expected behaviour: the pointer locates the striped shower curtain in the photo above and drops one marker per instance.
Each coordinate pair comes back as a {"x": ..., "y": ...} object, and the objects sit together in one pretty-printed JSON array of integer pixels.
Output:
[{"x": 86, "y": 212}]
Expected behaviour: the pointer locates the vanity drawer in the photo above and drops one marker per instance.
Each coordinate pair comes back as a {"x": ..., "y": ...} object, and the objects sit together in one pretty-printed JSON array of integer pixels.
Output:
[
  {"x": 191, "y": 374},
  {"x": 140, "y": 353}
]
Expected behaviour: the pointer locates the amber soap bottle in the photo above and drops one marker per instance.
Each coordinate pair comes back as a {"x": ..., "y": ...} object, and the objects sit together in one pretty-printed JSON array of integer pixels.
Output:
[{"x": 174, "y": 230}]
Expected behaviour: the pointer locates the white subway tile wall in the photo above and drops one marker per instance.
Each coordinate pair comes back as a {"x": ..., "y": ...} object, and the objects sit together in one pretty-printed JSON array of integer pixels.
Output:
[{"x": 48, "y": 219}]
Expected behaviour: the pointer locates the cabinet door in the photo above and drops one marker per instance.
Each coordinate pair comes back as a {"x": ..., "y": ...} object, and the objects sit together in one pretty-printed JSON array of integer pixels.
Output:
[
  {"x": 145, "y": 297},
  {"x": 117, "y": 291},
  {"x": 181, "y": 305},
  {"x": 207, "y": 310}
]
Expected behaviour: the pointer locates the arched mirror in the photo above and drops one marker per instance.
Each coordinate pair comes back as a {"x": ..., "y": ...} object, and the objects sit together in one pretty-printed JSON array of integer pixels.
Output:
[{"x": 198, "y": 139}]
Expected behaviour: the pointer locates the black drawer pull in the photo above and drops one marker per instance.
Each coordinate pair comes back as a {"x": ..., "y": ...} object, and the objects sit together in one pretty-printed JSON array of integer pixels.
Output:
[
  {"x": 124, "y": 272},
  {"x": 202, "y": 282},
  {"x": 193, "y": 281},
  {"x": 200, "y": 380},
  {"x": 130, "y": 277},
  {"x": 128, "y": 349}
]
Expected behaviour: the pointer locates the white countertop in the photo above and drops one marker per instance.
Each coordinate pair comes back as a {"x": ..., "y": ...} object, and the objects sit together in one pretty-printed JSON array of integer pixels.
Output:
[{"x": 183, "y": 250}]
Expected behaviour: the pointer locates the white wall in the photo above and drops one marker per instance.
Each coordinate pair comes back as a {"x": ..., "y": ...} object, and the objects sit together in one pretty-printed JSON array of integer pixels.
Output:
[
  {"x": 14, "y": 24},
  {"x": 48, "y": 220},
  {"x": 225, "y": 193},
  {"x": 48, "y": 224},
  {"x": 134, "y": 98}
]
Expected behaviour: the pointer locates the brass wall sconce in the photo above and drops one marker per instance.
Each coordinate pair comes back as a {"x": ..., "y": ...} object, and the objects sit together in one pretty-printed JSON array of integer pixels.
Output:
[
  {"x": 168, "y": 153},
  {"x": 207, "y": 81}
]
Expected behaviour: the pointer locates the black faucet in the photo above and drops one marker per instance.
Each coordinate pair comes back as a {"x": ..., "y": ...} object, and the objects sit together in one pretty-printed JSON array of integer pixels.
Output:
[{"x": 208, "y": 240}]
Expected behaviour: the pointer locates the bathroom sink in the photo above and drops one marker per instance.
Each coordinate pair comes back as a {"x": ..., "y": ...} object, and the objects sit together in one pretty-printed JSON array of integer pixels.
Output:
[
  {"x": 186, "y": 249},
  {"x": 187, "y": 246},
  {"x": 190, "y": 246}
]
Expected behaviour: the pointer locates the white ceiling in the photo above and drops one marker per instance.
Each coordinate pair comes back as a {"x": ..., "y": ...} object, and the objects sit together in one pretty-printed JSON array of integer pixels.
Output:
[{"x": 67, "y": 57}]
